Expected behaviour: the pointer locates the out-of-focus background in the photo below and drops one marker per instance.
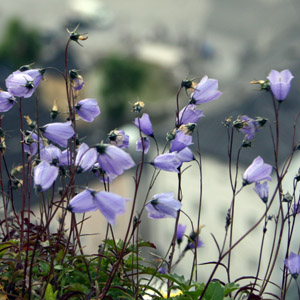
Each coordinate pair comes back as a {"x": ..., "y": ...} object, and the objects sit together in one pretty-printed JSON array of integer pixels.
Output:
[{"x": 141, "y": 49}]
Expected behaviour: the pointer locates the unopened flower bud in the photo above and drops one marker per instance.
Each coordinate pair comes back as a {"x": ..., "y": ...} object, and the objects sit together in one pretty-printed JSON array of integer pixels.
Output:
[
  {"x": 264, "y": 84},
  {"x": 138, "y": 106},
  {"x": 54, "y": 110},
  {"x": 30, "y": 123}
]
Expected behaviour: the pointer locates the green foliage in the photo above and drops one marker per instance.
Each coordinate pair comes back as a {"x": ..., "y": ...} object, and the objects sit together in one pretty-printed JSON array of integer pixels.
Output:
[{"x": 19, "y": 45}]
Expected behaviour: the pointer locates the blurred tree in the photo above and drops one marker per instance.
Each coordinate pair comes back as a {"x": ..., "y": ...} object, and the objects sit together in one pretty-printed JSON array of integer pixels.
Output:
[
  {"x": 123, "y": 79},
  {"x": 19, "y": 45}
]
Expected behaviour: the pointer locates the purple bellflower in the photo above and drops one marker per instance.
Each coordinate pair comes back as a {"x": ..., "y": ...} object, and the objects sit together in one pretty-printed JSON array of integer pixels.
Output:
[
  {"x": 119, "y": 138},
  {"x": 293, "y": 264},
  {"x": 189, "y": 114},
  {"x": 205, "y": 91},
  {"x": 51, "y": 154},
  {"x": 108, "y": 203},
  {"x": 36, "y": 74},
  {"x": 113, "y": 160},
  {"x": 44, "y": 176},
  {"x": 181, "y": 141},
  {"x": 140, "y": 142},
  {"x": 257, "y": 171},
  {"x": 262, "y": 190},
  {"x": 20, "y": 84},
  {"x": 102, "y": 175},
  {"x": 180, "y": 233},
  {"x": 144, "y": 124},
  {"x": 31, "y": 143},
  {"x": 185, "y": 155},
  {"x": 192, "y": 242},
  {"x": 163, "y": 206},
  {"x": 167, "y": 162},
  {"x": 86, "y": 157},
  {"x": 64, "y": 159},
  {"x": 87, "y": 109},
  {"x": 280, "y": 83},
  {"x": 58, "y": 133},
  {"x": 7, "y": 101},
  {"x": 250, "y": 127}
]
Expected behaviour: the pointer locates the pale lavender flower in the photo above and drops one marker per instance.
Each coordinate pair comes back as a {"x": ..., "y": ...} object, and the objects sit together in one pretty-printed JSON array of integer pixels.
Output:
[
  {"x": 189, "y": 114},
  {"x": 262, "y": 190},
  {"x": 20, "y": 84},
  {"x": 7, "y": 101},
  {"x": 257, "y": 171},
  {"x": 119, "y": 138},
  {"x": 31, "y": 143},
  {"x": 51, "y": 154},
  {"x": 205, "y": 91},
  {"x": 185, "y": 155},
  {"x": 193, "y": 239},
  {"x": 36, "y": 74},
  {"x": 64, "y": 159},
  {"x": 113, "y": 160},
  {"x": 102, "y": 175},
  {"x": 250, "y": 127},
  {"x": 162, "y": 270},
  {"x": 181, "y": 141},
  {"x": 83, "y": 202},
  {"x": 293, "y": 264},
  {"x": 144, "y": 124},
  {"x": 44, "y": 176},
  {"x": 86, "y": 157},
  {"x": 167, "y": 162},
  {"x": 87, "y": 109},
  {"x": 58, "y": 133},
  {"x": 180, "y": 233},
  {"x": 163, "y": 206},
  {"x": 110, "y": 205},
  {"x": 280, "y": 83},
  {"x": 139, "y": 144}
]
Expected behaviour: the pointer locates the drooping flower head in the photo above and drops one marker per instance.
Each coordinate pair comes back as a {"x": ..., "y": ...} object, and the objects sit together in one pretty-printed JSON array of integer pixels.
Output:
[
  {"x": 262, "y": 190},
  {"x": 31, "y": 142},
  {"x": 113, "y": 160},
  {"x": 293, "y": 264},
  {"x": 44, "y": 176},
  {"x": 51, "y": 154},
  {"x": 20, "y": 84},
  {"x": 180, "y": 141},
  {"x": 76, "y": 80},
  {"x": 257, "y": 171},
  {"x": 36, "y": 74},
  {"x": 205, "y": 91},
  {"x": 189, "y": 114},
  {"x": 180, "y": 233},
  {"x": 87, "y": 109},
  {"x": 7, "y": 101},
  {"x": 58, "y": 133},
  {"x": 185, "y": 155},
  {"x": 109, "y": 204},
  {"x": 280, "y": 83},
  {"x": 167, "y": 162},
  {"x": 194, "y": 240},
  {"x": 85, "y": 158},
  {"x": 144, "y": 124},
  {"x": 118, "y": 138},
  {"x": 143, "y": 141},
  {"x": 163, "y": 206}
]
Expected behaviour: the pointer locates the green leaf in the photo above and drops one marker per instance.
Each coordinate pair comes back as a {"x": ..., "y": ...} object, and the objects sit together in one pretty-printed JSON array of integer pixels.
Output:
[
  {"x": 230, "y": 287},
  {"x": 49, "y": 295},
  {"x": 215, "y": 291}
]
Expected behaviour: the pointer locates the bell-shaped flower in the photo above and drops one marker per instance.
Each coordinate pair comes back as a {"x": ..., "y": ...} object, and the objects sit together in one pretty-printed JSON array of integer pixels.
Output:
[
  {"x": 113, "y": 160},
  {"x": 257, "y": 171},
  {"x": 262, "y": 190},
  {"x": 85, "y": 159},
  {"x": 102, "y": 175},
  {"x": 180, "y": 233},
  {"x": 189, "y": 114},
  {"x": 248, "y": 126},
  {"x": 76, "y": 80},
  {"x": 143, "y": 143},
  {"x": 293, "y": 264},
  {"x": 20, "y": 84},
  {"x": 36, "y": 74},
  {"x": 144, "y": 124},
  {"x": 7, "y": 101},
  {"x": 87, "y": 109},
  {"x": 185, "y": 155},
  {"x": 119, "y": 138},
  {"x": 51, "y": 154},
  {"x": 194, "y": 241},
  {"x": 109, "y": 204},
  {"x": 44, "y": 176},
  {"x": 181, "y": 141},
  {"x": 31, "y": 143},
  {"x": 58, "y": 133},
  {"x": 280, "y": 83},
  {"x": 205, "y": 91},
  {"x": 64, "y": 159},
  {"x": 163, "y": 206},
  {"x": 167, "y": 162}
]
